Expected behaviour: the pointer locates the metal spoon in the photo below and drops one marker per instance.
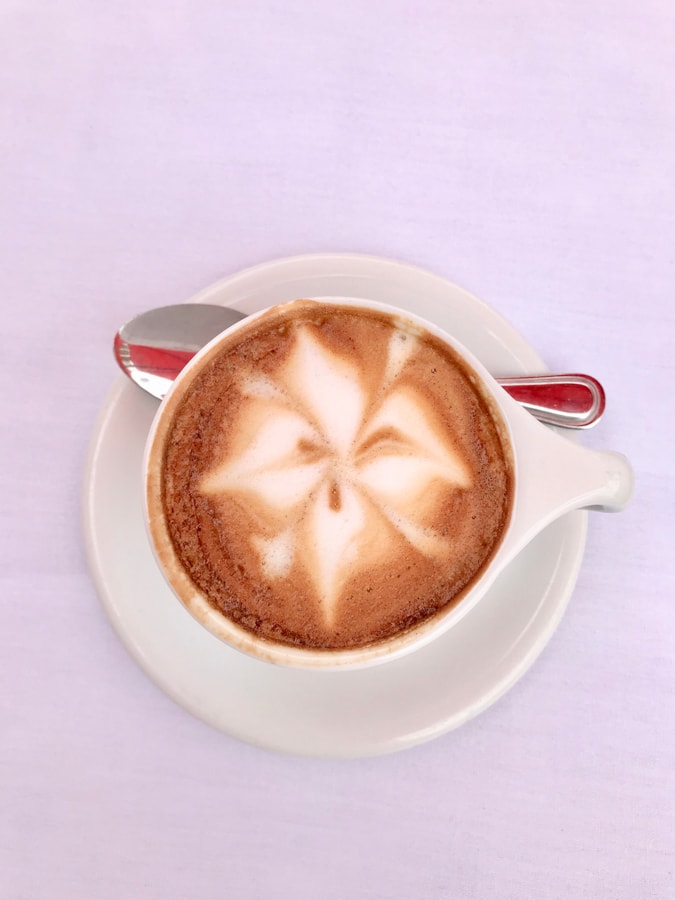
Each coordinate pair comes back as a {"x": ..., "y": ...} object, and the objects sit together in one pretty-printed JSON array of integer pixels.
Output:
[{"x": 153, "y": 347}]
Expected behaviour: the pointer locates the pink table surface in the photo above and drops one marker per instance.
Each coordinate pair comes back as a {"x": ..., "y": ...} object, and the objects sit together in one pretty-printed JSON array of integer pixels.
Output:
[{"x": 523, "y": 149}]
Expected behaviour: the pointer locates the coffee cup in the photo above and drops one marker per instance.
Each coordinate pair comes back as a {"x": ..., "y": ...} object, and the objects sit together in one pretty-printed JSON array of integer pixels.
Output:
[{"x": 334, "y": 483}]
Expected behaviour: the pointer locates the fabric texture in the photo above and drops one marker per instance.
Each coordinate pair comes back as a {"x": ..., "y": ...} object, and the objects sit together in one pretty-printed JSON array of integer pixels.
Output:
[{"x": 524, "y": 150}]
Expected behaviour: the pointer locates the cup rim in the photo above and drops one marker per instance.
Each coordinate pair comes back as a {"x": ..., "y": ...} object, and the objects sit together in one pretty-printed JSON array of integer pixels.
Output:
[{"x": 367, "y": 655}]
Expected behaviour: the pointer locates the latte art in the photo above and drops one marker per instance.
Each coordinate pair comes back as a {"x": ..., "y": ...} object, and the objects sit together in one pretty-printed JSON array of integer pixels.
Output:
[
  {"x": 331, "y": 477},
  {"x": 337, "y": 470}
]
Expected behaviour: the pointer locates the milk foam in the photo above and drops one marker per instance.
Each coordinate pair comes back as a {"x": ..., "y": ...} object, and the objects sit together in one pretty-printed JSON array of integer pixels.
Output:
[{"x": 337, "y": 472}]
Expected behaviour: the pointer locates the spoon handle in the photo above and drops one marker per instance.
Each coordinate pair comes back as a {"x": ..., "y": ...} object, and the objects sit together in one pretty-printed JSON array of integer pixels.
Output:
[{"x": 572, "y": 401}]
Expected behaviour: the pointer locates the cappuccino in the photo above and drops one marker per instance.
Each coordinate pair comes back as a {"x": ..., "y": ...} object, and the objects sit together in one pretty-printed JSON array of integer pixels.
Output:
[{"x": 328, "y": 477}]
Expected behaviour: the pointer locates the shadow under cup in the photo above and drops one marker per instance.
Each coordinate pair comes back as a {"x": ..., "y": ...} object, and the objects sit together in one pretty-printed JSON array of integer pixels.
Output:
[{"x": 545, "y": 475}]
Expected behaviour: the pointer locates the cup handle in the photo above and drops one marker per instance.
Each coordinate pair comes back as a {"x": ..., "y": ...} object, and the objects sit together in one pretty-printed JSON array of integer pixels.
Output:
[{"x": 557, "y": 476}]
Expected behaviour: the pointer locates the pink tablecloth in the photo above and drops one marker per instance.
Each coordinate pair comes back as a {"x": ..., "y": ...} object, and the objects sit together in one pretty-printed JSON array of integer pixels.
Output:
[{"x": 522, "y": 149}]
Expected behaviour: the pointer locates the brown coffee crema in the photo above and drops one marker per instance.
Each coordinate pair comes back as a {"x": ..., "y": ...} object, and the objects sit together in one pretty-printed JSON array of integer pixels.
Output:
[{"x": 332, "y": 477}]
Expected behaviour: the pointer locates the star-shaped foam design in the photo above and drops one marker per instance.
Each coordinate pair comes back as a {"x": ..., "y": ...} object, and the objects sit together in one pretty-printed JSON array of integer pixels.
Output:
[{"x": 337, "y": 471}]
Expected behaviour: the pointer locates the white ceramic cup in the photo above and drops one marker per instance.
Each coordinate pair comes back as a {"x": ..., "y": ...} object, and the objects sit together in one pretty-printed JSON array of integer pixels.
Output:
[{"x": 552, "y": 476}]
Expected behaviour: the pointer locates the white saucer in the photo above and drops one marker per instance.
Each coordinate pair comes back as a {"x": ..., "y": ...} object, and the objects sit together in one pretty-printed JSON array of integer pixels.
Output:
[{"x": 338, "y": 714}]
